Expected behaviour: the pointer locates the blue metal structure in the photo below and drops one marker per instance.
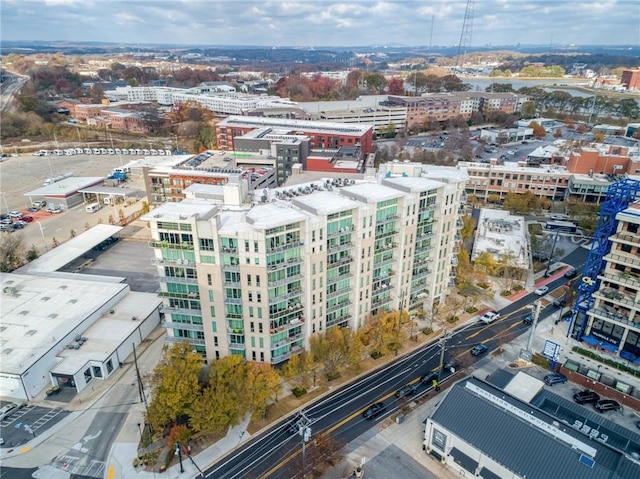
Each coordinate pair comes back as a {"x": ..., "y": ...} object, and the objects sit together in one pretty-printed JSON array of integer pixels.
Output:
[{"x": 619, "y": 196}]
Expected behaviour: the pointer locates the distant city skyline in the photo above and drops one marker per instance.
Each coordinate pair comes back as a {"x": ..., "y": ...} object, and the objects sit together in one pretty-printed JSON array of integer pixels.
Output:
[{"x": 322, "y": 22}]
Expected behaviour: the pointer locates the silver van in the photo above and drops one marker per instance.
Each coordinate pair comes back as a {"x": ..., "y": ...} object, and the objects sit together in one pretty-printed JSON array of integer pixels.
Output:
[{"x": 9, "y": 409}]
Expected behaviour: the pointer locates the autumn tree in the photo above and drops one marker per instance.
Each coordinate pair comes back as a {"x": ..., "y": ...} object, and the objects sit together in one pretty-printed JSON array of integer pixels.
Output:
[
  {"x": 468, "y": 226},
  {"x": 558, "y": 133},
  {"x": 225, "y": 387},
  {"x": 486, "y": 262},
  {"x": 395, "y": 86},
  {"x": 261, "y": 385},
  {"x": 12, "y": 252},
  {"x": 538, "y": 129},
  {"x": 372, "y": 334},
  {"x": 528, "y": 109},
  {"x": 299, "y": 370},
  {"x": 337, "y": 349},
  {"x": 174, "y": 384}
]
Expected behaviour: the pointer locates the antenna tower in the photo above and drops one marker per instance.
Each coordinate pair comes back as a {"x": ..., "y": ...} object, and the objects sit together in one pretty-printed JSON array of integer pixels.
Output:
[{"x": 465, "y": 35}]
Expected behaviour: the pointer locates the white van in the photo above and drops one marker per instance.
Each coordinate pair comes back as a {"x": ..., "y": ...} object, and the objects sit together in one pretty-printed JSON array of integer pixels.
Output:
[
  {"x": 111, "y": 151},
  {"x": 146, "y": 152},
  {"x": 92, "y": 208},
  {"x": 96, "y": 151},
  {"x": 154, "y": 152},
  {"x": 139, "y": 152},
  {"x": 78, "y": 151},
  {"x": 58, "y": 152},
  {"x": 87, "y": 151},
  {"x": 103, "y": 151},
  {"x": 118, "y": 151}
]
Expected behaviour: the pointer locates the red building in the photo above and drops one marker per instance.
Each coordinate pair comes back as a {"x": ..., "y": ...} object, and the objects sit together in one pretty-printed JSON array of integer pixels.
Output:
[
  {"x": 322, "y": 134},
  {"x": 631, "y": 79},
  {"x": 610, "y": 160}
]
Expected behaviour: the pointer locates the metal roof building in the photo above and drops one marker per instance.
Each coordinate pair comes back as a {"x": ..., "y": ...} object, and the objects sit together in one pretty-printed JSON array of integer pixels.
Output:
[{"x": 482, "y": 431}]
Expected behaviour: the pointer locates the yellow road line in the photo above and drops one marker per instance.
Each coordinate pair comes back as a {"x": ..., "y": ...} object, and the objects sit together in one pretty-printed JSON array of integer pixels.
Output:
[{"x": 111, "y": 472}]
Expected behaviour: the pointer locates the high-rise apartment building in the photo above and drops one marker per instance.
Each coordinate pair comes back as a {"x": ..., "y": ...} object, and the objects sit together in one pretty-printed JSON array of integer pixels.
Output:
[
  {"x": 614, "y": 319},
  {"x": 258, "y": 276}
]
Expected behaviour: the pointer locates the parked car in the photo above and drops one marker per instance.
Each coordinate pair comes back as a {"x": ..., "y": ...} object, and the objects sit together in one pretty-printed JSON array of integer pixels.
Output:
[
  {"x": 554, "y": 378},
  {"x": 27, "y": 218},
  {"x": 559, "y": 218},
  {"x": 604, "y": 405},
  {"x": 53, "y": 210},
  {"x": 528, "y": 319},
  {"x": 15, "y": 214},
  {"x": 428, "y": 378},
  {"x": 479, "y": 349},
  {"x": 6, "y": 228},
  {"x": 8, "y": 410},
  {"x": 373, "y": 410},
  {"x": 452, "y": 365},
  {"x": 571, "y": 273},
  {"x": 542, "y": 290},
  {"x": 489, "y": 317},
  {"x": 586, "y": 396},
  {"x": 408, "y": 390},
  {"x": 39, "y": 204},
  {"x": 18, "y": 225}
]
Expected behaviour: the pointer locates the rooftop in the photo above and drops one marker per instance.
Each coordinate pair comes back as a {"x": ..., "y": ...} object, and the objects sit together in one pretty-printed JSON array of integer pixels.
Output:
[
  {"x": 296, "y": 125},
  {"x": 37, "y": 311},
  {"x": 66, "y": 186},
  {"x": 502, "y": 235}
]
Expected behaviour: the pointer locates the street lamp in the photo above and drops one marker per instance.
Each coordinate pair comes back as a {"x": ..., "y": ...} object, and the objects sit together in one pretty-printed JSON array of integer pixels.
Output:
[
  {"x": 140, "y": 431},
  {"x": 179, "y": 451}
]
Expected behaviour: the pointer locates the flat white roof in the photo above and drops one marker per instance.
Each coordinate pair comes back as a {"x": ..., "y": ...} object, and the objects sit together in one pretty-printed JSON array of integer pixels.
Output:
[
  {"x": 413, "y": 183},
  {"x": 67, "y": 186},
  {"x": 38, "y": 311},
  {"x": 324, "y": 203},
  {"x": 70, "y": 250},
  {"x": 364, "y": 101},
  {"x": 108, "y": 333},
  {"x": 270, "y": 215},
  {"x": 372, "y": 192},
  {"x": 183, "y": 210},
  {"x": 301, "y": 125}
]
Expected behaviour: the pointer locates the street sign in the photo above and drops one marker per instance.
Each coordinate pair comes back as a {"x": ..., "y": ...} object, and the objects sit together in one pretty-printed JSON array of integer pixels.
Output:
[{"x": 551, "y": 350}]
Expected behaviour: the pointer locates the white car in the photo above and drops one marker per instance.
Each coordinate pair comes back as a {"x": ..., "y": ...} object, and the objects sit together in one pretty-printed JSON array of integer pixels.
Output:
[
  {"x": 542, "y": 290},
  {"x": 489, "y": 317}
]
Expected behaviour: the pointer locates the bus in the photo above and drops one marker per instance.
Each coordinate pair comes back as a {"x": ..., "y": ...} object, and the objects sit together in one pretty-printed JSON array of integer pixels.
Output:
[{"x": 562, "y": 226}]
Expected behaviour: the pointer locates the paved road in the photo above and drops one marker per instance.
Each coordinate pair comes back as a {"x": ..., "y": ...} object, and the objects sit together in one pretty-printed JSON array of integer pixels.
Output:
[{"x": 340, "y": 413}]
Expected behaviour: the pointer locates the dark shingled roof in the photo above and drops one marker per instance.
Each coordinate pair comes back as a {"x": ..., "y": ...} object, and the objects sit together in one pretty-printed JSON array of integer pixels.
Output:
[{"x": 518, "y": 444}]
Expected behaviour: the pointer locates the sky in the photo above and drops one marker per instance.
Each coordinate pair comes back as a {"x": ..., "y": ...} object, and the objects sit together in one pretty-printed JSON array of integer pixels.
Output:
[{"x": 315, "y": 23}]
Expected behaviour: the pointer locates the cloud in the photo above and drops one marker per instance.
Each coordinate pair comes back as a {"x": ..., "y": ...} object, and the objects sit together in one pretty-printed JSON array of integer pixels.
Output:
[{"x": 322, "y": 22}]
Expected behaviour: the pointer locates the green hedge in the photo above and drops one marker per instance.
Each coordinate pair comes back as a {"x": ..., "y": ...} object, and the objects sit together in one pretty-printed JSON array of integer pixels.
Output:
[{"x": 609, "y": 362}]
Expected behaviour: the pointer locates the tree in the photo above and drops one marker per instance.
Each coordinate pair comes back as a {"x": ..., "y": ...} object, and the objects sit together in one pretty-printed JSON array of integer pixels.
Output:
[
  {"x": 395, "y": 86},
  {"x": 174, "y": 384},
  {"x": 11, "y": 252},
  {"x": 337, "y": 350},
  {"x": 262, "y": 384},
  {"x": 493, "y": 198},
  {"x": 468, "y": 226},
  {"x": 538, "y": 129},
  {"x": 372, "y": 334},
  {"x": 528, "y": 109},
  {"x": 299, "y": 370},
  {"x": 486, "y": 262}
]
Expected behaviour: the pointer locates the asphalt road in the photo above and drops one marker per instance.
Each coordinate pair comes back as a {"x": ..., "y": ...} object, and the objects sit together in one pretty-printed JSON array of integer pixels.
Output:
[{"x": 275, "y": 453}]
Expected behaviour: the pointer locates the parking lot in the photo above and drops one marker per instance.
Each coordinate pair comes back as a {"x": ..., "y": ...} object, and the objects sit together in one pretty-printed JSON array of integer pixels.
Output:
[{"x": 26, "y": 173}]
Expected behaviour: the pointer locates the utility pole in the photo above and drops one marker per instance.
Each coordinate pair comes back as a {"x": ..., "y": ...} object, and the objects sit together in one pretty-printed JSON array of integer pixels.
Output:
[
  {"x": 443, "y": 343},
  {"x": 143, "y": 397},
  {"x": 553, "y": 247},
  {"x": 305, "y": 434},
  {"x": 179, "y": 451},
  {"x": 536, "y": 315}
]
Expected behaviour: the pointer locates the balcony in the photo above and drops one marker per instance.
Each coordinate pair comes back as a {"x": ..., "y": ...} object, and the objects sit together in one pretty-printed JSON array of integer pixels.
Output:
[
  {"x": 283, "y": 357},
  {"x": 284, "y": 247},
  {"x": 290, "y": 311},
  {"x": 231, "y": 267},
  {"x": 285, "y": 341},
  {"x": 184, "y": 311},
  {"x": 339, "y": 261},
  {"x": 621, "y": 278},
  {"x": 338, "y": 278},
  {"x": 179, "y": 339},
  {"x": 336, "y": 248},
  {"x": 282, "y": 264},
  {"x": 627, "y": 237},
  {"x": 233, "y": 300},
  {"x": 385, "y": 246},
  {"x": 175, "y": 279},
  {"x": 380, "y": 302},
  {"x": 423, "y": 249},
  {"x": 285, "y": 297},
  {"x": 168, "y": 294},
  {"x": 283, "y": 281},
  {"x": 172, "y": 262},
  {"x": 345, "y": 318},
  {"x": 341, "y": 231},
  {"x": 381, "y": 289},
  {"x": 387, "y": 234},
  {"x": 229, "y": 249},
  {"x": 384, "y": 262},
  {"x": 237, "y": 346},
  {"x": 338, "y": 306},
  {"x": 617, "y": 297},
  {"x": 612, "y": 316},
  {"x": 625, "y": 259},
  {"x": 286, "y": 324},
  {"x": 422, "y": 262},
  {"x": 184, "y": 326},
  {"x": 231, "y": 282},
  {"x": 425, "y": 235},
  {"x": 338, "y": 292},
  {"x": 420, "y": 273},
  {"x": 388, "y": 219},
  {"x": 167, "y": 245}
]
